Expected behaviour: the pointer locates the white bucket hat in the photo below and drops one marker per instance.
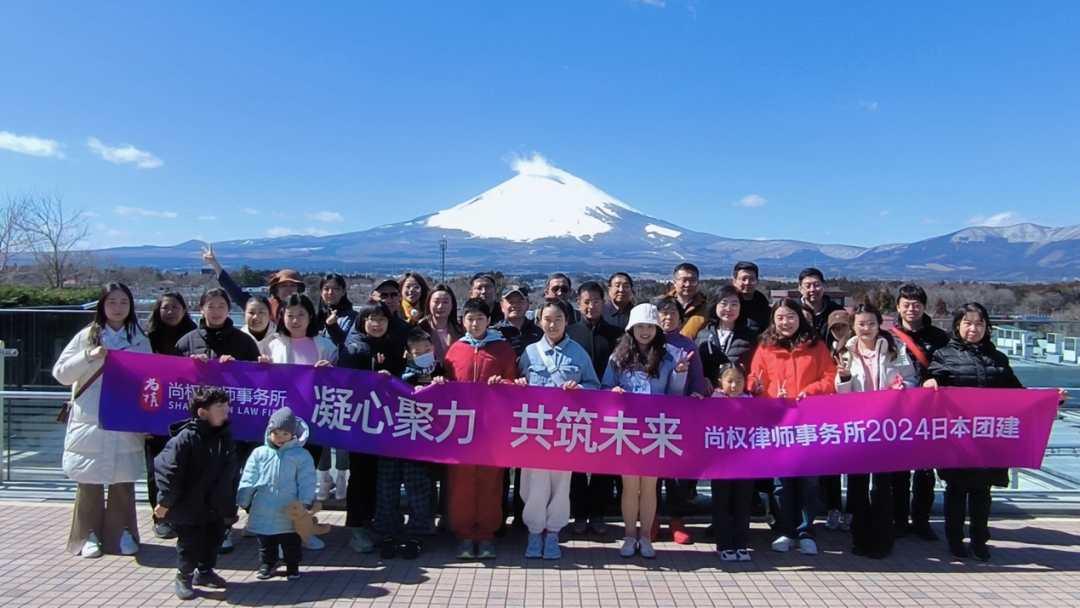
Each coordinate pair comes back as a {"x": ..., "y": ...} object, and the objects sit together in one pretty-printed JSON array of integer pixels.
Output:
[{"x": 645, "y": 314}]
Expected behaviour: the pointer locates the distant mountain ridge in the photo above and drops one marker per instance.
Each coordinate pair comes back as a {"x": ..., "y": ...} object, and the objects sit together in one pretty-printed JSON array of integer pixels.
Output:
[{"x": 545, "y": 219}]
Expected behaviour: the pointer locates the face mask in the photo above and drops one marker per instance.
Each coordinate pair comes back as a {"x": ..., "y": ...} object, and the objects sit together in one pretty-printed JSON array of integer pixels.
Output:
[{"x": 425, "y": 360}]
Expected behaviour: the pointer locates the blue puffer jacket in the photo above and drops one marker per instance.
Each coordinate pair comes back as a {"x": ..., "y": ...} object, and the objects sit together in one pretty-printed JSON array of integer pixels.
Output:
[{"x": 273, "y": 478}]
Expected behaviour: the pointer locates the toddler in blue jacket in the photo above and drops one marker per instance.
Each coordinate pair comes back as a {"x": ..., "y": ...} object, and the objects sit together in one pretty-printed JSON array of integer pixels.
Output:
[{"x": 276, "y": 474}]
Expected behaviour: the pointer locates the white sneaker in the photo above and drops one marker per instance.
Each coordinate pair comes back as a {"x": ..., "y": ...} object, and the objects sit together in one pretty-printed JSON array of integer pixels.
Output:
[
  {"x": 743, "y": 555},
  {"x": 128, "y": 546},
  {"x": 629, "y": 547},
  {"x": 326, "y": 483},
  {"x": 845, "y": 522},
  {"x": 92, "y": 548},
  {"x": 227, "y": 543},
  {"x": 646, "y": 548},
  {"x": 341, "y": 486},
  {"x": 807, "y": 546},
  {"x": 783, "y": 544},
  {"x": 832, "y": 522},
  {"x": 315, "y": 544},
  {"x": 728, "y": 555}
]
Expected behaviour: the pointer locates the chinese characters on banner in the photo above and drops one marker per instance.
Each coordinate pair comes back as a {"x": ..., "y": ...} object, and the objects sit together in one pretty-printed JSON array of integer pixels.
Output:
[{"x": 599, "y": 432}]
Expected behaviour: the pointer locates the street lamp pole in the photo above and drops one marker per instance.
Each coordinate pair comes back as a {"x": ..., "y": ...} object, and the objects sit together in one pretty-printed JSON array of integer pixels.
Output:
[{"x": 442, "y": 253}]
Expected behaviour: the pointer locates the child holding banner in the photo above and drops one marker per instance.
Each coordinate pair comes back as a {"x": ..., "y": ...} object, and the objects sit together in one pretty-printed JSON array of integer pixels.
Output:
[
  {"x": 792, "y": 361},
  {"x": 643, "y": 364},
  {"x": 731, "y": 498},
  {"x": 556, "y": 361},
  {"x": 871, "y": 361},
  {"x": 475, "y": 491}
]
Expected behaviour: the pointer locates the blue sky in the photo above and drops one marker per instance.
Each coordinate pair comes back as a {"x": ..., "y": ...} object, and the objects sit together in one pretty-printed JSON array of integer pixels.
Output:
[{"x": 849, "y": 122}]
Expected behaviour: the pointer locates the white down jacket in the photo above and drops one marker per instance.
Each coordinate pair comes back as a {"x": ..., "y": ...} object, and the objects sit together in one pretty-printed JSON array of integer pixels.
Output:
[
  {"x": 93, "y": 455},
  {"x": 889, "y": 371}
]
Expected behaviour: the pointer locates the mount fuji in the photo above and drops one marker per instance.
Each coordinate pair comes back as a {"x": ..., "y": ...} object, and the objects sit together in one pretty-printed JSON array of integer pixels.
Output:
[{"x": 545, "y": 219}]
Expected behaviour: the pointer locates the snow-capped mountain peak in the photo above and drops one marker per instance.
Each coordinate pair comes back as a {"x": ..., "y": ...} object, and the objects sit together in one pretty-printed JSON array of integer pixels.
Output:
[{"x": 541, "y": 201}]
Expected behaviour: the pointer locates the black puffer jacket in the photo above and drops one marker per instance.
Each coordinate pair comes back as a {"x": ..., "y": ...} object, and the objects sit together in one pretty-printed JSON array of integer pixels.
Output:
[
  {"x": 215, "y": 342},
  {"x": 195, "y": 472},
  {"x": 362, "y": 351},
  {"x": 756, "y": 313},
  {"x": 974, "y": 366},
  {"x": 737, "y": 348}
]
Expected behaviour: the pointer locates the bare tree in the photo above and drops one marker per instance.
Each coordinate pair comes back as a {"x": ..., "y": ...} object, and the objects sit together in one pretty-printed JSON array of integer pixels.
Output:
[
  {"x": 13, "y": 237},
  {"x": 54, "y": 231}
]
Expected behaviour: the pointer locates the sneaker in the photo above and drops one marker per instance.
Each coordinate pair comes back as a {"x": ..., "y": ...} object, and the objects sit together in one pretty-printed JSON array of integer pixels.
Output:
[
  {"x": 184, "y": 590},
  {"x": 411, "y": 550},
  {"x": 315, "y": 543},
  {"x": 629, "y": 547},
  {"x": 535, "y": 548},
  {"x": 980, "y": 551},
  {"x": 227, "y": 544},
  {"x": 783, "y": 544},
  {"x": 265, "y": 572},
  {"x": 92, "y": 547},
  {"x": 163, "y": 530},
  {"x": 341, "y": 486},
  {"x": 579, "y": 527},
  {"x": 361, "y": 542},
  {"x": 743, "y": 555},
  {"x": 292, "y": 572},
  {"x": 128, "y": 546},
  {"x": 485, "y": 550},
  {"x": 210, "y": 579},
  {"x": 958, "y": 550},
  {"x": 551, "y": 546},
  {"x": 832, "y": 522},
  {"x": 807, "y": 546},
  {"x": 598, "y": 526},
  {"x": 845, "y": 522},
  {"x": 924, "y": 531},
  {"x": 728, "y": 555},
  {"x": 322, "y": 492},
  {"x": 389, "y": 549},
  {"x": 646, "y": 548},
  {"x": 466, "y": 550}
]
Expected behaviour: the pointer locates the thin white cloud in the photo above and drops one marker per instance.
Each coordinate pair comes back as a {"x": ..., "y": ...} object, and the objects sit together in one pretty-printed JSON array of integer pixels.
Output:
[
  {"x": 929, "y": 222},
  {"x": 124, "y": 153},
  {"x": 109, "y": 232},
  {"x": 250, "y": 211},
  {"x": 1008, "y": 218},
  {"x": 282, "y": 231},
  {"x": 208, "y": 218},
  {"x": 328, "y": 216},
  {"x": 28, "y": 144},
  {"x": 883, "y": 212},
  {"x": 868, "y": 105},
  {"x": 654, "y": 3},
  {"x": 140, "y": 212},
  {"x": 751, "y": 201}
]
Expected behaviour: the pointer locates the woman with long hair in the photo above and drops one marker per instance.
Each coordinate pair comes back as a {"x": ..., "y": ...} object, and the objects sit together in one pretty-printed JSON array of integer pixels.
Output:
[
  {"x": 94, "y": 458},
  {"x": 441, "y": 319},
  {"x": 414, "y": 295}
]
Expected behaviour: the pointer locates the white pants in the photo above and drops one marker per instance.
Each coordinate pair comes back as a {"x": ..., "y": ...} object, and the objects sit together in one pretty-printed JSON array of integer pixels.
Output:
[{"x": 547, "y": 499}]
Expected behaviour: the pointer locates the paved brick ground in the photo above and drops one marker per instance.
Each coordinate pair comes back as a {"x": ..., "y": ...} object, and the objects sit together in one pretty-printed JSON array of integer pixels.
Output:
[{"x": 1035, "y": 564}]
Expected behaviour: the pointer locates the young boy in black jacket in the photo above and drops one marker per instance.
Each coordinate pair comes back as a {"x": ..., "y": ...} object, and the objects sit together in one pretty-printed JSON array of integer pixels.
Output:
[{"x": 196, "y": 492}]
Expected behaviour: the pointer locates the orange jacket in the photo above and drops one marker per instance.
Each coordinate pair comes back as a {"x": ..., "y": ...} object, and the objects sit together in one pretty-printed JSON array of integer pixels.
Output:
[{"x": 808, "y": 368}]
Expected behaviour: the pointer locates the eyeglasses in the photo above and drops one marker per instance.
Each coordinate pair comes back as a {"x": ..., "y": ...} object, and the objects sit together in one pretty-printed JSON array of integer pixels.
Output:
[
  {"x": 390, "y": 295},
  {"x": 559, "y": 289}
]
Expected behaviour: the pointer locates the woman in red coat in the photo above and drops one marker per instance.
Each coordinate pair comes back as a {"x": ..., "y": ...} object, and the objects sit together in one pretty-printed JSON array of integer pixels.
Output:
[{"x": 793, "y": 362}]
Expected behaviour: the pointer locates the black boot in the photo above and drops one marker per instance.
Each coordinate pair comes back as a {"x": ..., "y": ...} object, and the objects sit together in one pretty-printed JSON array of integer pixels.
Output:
[
  {"x": 184, "y": 590},
  {"x": 958, "y": 550},
  {"x": 210, "y": 579}
]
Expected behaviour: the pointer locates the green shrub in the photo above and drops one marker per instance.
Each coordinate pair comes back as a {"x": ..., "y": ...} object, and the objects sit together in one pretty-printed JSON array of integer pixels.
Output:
[{"x": 16, "y": 296}]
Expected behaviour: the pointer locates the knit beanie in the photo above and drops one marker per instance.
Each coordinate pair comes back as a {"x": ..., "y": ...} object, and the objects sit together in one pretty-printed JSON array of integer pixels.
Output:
[{"x": 283, "y": 420}]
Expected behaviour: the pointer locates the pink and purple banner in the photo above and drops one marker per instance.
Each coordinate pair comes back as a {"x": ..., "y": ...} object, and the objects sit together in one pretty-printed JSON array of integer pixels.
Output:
[{"x": 596, "y": 431}]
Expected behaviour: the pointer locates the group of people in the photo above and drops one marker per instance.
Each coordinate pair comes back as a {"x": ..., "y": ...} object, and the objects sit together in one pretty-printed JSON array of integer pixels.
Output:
[{"x": 735, "y": 344}]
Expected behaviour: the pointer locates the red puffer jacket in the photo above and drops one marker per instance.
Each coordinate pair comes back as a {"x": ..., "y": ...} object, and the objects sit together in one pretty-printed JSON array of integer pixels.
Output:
[
  {"x": 807, "y": 369},
  {"x": 476, "y": 362}
]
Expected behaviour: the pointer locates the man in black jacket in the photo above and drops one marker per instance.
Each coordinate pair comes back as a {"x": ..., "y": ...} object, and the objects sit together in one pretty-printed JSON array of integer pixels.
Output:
[
  {"x": 589, "y": 494},
  {"x": 756, "y": 311},
  {"x": 620, "y": 300},
  {"x": 196, "y": 493},
  {"x": 916, "y": 331},
  {"x": 515, "y": 327},
  {"x": 812, "y": 288}
]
